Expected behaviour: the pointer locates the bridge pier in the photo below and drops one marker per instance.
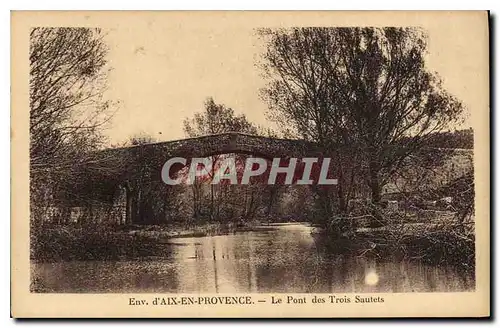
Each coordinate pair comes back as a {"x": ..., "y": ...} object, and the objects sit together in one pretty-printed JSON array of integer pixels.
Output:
[
  {"x": 129, "y": 204},
  {"x": 136, "y": 211}
]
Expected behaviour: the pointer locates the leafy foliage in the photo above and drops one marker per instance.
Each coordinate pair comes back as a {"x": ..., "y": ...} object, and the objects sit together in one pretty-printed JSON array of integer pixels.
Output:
[{"x": 365, "y": 92}]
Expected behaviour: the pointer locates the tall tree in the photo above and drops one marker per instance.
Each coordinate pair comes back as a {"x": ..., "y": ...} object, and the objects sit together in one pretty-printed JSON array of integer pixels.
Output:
[
  {"x": 67, "y": 109},
  {"x": 67, "y": 81},
  {"x": 364, "y": 92},
  {"x": 215, "y": 119}
]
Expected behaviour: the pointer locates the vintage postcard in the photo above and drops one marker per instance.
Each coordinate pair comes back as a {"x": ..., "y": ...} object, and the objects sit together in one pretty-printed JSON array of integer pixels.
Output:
[{"x": 250, "y": 164}]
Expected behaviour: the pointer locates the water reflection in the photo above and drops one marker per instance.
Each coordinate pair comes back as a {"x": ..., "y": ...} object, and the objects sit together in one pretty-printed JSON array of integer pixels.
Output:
[{"x": 282, "y": 259}]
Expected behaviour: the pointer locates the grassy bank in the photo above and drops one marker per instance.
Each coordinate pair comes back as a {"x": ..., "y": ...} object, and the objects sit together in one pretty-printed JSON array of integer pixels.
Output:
[
  {"x": 78, "y": 244},
  {"x": 437, "y": 244},
  {"x": 178, "y": 230},
  {"x": 74, "y": 243}
]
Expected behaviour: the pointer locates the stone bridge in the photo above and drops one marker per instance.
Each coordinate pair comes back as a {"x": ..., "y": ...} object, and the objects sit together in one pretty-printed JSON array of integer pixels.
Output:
[
  {"x": 130, "y": 169},
  {"x": 154, "y": 155}
]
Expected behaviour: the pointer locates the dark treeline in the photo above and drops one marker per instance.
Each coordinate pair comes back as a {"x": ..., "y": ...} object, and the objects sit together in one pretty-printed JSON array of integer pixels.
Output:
[{"x": 460, "y": 139}]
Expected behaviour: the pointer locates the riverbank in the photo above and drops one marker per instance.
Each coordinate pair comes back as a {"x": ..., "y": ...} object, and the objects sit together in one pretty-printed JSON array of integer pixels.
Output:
[
  {"x": 164, "y": 232},
  {"x": 75, "y": 243},
  {"x": 432, "y": 243}
]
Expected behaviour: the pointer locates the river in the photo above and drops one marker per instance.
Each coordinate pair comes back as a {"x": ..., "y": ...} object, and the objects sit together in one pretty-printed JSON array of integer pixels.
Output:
[{"x": 276, "y": 258}]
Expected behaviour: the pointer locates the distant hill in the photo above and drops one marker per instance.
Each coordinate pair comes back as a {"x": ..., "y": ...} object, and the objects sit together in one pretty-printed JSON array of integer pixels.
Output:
[{"x": 461, "y": 139}]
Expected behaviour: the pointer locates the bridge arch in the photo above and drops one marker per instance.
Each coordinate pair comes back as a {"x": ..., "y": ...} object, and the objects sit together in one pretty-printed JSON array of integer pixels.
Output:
[{"x": 142, "y": 164}]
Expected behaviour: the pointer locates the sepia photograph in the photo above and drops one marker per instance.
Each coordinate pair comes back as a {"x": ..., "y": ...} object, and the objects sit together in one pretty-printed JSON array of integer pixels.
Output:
[{"x": 216, "y": 157}]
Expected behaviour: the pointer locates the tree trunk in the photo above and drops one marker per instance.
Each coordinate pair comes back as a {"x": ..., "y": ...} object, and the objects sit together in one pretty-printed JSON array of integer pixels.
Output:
[
  {"x": 134, "y": 206},
  {"x": 376, "y": 195},
  {"x": 272, "y": 196},
  {"x": 165, "y": 208},
  {"x": 341, "y": 194},
  {"x": 128, "y": 205},
  {"x": 211, "y": 202}
]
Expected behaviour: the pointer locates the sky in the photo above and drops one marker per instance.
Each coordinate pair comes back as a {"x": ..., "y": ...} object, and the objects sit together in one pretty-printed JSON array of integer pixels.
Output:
[
  {"x": 165, "y": 76},
  {"x": 163, "y": 72}
]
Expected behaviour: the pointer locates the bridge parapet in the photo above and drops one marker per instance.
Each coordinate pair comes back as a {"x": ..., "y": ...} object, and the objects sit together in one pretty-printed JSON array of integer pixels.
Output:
[{"x": 113, "y": 166}]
